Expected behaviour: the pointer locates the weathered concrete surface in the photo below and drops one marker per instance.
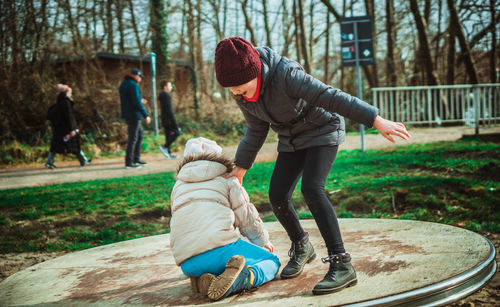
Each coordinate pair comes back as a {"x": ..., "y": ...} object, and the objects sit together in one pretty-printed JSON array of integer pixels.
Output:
[
  {"x": 390, "y": 256},
  {"x": 70, "y": 171}
]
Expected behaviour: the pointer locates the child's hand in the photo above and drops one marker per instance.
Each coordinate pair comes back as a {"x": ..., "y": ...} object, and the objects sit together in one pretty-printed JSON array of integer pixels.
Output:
[
  {"x": 269, "y": 246},
  {"x": 387, "y": 127}
]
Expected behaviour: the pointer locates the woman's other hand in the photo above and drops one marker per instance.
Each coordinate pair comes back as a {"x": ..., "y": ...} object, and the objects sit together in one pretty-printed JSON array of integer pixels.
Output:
[
  {"x": 388, "y": 128},
  {"x": 237, "y": 172}
]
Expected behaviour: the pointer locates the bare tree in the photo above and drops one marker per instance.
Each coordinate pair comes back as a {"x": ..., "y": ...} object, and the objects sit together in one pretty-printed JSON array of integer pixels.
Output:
[
  {"x": 119, "y": 18},
  {"x": 288, "y": 34},
  {"x": 266, "y": 24},
  {"x": 493, "y": 52},
  {"x": 135, "y": 28},
  {"x": 464, "y": 45},
  {"x": 424, "y": 57},
  {"x": 248, "y": 22},
  {"x": 109, "y": 25},
  {"x": 192, "y": 45},
  {"x": 391, "y": 41},
  {"x": 371, "y": 71},
  {"x": 302, "y": 35}
]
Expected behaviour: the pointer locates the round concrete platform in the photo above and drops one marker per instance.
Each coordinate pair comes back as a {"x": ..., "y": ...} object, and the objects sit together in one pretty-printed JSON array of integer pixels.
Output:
[{"x": 397, "y": 262}]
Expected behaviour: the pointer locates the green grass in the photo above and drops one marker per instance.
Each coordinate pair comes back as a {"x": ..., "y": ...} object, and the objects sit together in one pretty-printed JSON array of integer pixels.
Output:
[{"x": 455, "y": 183}]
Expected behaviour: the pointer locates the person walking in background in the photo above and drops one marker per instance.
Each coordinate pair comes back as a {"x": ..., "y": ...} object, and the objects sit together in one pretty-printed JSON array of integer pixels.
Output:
[
  {"x": 275, "y": 92},
  {"x": 133, "y": 111},
  {"x": 209, "y": 212},
  {"x": 65, "y": 138},
  {"x": 168, "y": 119}
]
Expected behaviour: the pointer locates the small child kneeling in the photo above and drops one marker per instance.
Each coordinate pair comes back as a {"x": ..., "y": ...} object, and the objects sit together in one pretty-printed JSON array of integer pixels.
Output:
[{"x": 207, "y": 211}]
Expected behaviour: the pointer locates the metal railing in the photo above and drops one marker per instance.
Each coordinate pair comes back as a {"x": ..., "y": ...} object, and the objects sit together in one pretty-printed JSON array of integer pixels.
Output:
[{"x": 467, "y": 104}]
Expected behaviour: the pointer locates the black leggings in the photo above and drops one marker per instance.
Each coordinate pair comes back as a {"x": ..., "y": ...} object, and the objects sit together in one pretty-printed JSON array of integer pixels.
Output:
[{"x": 313, "y": 164}]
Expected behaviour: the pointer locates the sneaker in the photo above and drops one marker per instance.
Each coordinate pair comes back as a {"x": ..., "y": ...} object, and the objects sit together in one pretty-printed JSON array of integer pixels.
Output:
[
  {"x": 86, "y": 162},
  {"x": 172, "y": 156},
  {"x": 164, "y": 151},
  {"x": 133, "y": 165},
  {"x": 235, "y": 279},
  {"x": 141, "y": 162},
  {"x": 50, "y": 165}
]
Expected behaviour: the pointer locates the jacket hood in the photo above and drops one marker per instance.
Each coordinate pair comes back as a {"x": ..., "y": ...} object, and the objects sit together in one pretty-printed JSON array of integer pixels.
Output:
[
  {"x": 203, "y": 167},
  {"x": 270, "y": 60}
]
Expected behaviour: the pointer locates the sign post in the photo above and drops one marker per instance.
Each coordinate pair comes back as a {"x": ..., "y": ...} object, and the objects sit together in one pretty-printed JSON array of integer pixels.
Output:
[
  {"x": 357, "y": 49},
  {"x": 153, "y": 84}
]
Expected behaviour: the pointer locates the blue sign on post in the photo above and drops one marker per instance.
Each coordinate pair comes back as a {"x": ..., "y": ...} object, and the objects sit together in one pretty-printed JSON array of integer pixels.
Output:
[
  {"x": 357, "y": 50},
  {"x": 357, "y": 41}
]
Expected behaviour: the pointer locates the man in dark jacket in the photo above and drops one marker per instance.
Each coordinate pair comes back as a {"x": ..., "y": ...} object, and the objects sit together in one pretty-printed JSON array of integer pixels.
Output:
[
  {"x": 275, "y": 92},
  {"x": 168, "y": 119},
  {"x": 133, "y": 112}
]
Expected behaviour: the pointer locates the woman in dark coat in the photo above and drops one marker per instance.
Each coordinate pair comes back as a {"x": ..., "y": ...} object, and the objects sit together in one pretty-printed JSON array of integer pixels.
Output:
[
  {"x": 275, "y": 92},
  {"x": 65, "y": 137}
]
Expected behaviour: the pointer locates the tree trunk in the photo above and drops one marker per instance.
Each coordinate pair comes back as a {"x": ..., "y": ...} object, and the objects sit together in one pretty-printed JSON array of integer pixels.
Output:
[
  {"x": 159, "y": 41},
  {"x": 493, "y": 52},
  {"x": 392, "y": 79},
  {"x": 140, "y": 46},
  {"x": 287, "y": 33},
  {"x": 109, "y": 25},
  {"x": 119, "y": 17},
  {"x": 191, "y": 37},
  {"x": 326, "y": 66},
  {"x": 372, "y": 76},
  {"x": 331, "y": 9},
  {"x": 450, "y": 59},
  {"x": 464, "y": 46},
  {"x": 266, "y": 24},
  {"x": 425, "y": 56},
  {"x": 303, "y": 40},
  {"x": 297, "y": 30},
  {"x": 248, "y": 22}
]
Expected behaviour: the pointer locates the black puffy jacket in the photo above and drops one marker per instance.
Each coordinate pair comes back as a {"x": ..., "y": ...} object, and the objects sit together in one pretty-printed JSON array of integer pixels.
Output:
[{"x": 299, "y": 108}]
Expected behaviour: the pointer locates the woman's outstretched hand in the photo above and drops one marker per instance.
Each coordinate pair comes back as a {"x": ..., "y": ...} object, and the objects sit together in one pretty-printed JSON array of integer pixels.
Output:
[
  {"x": 237, "y": 172},
  {"x": 388, "y": 128}
]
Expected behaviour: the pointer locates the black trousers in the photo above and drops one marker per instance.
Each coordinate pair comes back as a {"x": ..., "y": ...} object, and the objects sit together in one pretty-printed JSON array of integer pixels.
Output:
[
  {"x": 134, "y": 143},
  {"x": 171, "y": 135},
  {"x": 313, "y": 165}
]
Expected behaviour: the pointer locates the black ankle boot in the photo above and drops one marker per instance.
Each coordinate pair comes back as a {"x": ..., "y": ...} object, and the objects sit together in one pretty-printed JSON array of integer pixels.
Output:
[
  {"x": 340, "y": 275},
  {"x": 300, "y": 253}
]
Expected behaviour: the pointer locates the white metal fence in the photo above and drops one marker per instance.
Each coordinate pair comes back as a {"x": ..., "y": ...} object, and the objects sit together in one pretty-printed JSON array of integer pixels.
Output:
[{"x": 468, "y": 104}]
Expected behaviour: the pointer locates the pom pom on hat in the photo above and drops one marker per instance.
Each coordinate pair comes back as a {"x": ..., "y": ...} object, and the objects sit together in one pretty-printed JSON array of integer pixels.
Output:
[
  {"x": 201, "y": 145},
  {"x": 236, "y": 62}
]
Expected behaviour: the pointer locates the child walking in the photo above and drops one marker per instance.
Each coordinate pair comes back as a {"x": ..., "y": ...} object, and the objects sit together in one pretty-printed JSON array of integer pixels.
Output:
[{"x": 208, "y": 214}]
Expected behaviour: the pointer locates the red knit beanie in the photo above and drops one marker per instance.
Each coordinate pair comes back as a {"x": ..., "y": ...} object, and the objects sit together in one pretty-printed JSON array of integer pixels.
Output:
[{"x": 236, "y": 62}]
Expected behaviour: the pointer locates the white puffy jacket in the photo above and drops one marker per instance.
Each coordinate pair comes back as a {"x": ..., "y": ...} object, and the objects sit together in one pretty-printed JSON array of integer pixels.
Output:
[{"x": 207, "y": 209}]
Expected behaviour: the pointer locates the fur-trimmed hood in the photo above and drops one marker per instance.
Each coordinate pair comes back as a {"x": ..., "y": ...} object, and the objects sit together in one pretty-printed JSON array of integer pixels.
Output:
[{"x": 203, "y": 167}]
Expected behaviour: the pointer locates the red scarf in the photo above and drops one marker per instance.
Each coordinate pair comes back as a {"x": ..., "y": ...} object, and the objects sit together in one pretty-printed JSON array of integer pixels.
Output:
[{"x": 255, "y": 96}]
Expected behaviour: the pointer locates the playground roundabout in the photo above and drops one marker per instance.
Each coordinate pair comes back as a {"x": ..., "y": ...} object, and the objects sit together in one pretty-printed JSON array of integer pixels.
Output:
[{"x": 398, "y": 262}]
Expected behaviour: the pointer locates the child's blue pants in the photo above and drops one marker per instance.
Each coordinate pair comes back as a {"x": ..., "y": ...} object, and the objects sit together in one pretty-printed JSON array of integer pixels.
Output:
[{"x": 263, "y": 264}]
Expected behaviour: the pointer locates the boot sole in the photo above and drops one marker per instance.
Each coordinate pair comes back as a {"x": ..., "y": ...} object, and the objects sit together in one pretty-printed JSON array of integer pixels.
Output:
[
  {"x": 204, "y": 283},
  {"x": 313, "y": 256},
  {"x": 221, "y": 284},
  {"x": 332, "y": 290}
]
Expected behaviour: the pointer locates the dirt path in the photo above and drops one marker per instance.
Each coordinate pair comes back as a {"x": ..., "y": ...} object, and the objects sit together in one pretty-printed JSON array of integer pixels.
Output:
[{"x": 37, "y": 175}]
